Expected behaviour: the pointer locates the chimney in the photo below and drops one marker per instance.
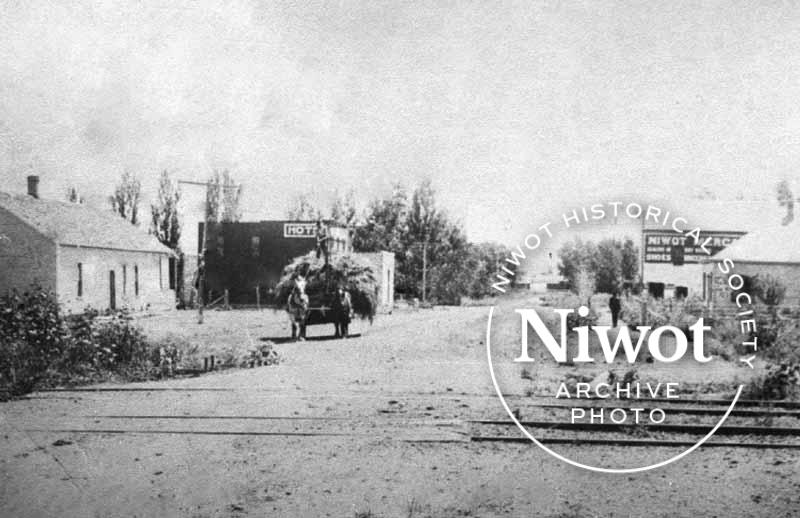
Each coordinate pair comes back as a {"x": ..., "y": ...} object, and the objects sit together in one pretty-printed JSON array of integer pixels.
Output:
[{"x": 33, "y": 186}]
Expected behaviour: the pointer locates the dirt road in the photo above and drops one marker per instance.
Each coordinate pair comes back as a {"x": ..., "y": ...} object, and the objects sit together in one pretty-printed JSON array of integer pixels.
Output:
[{"x": 370, "y": 426}]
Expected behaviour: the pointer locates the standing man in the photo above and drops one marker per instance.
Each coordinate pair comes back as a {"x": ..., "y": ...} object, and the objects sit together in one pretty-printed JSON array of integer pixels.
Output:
[
  {"x": 322, "y": 240},
  {"x": 615, "y": 306}
]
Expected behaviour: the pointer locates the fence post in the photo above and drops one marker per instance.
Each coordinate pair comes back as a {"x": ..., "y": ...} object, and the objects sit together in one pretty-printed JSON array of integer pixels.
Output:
[
  {"x": 258, "y": 297},
  {"x": 227, "y": 300},
  {"x": 644, "y": 312}
]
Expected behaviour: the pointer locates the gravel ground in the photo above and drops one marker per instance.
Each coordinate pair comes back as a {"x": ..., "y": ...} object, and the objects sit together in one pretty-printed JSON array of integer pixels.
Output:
[{"x": 384, "y": 416}]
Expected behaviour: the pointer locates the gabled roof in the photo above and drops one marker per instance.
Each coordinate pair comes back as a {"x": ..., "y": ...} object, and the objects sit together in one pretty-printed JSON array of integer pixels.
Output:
[
  {"x": 77, "y": 225},
  {"x": 775, "y": 244}
]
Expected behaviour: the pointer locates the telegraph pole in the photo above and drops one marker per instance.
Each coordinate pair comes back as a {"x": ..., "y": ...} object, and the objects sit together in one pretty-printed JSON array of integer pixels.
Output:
[
  {"x": 201, "y": 278},
  {"x": 424, "y": 269},
  {"x": 201, "y": 274}
]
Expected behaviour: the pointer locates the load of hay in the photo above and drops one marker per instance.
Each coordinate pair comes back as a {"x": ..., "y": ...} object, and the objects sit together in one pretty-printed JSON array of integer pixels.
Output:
[{"x": 354, "y": 273}]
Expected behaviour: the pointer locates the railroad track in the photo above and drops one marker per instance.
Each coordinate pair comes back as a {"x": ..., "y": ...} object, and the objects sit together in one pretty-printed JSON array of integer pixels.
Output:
[
  {"x": 762, "y": 404},
  {"x": 439, "y": 431},
  {"x": 750, "y": 425}
]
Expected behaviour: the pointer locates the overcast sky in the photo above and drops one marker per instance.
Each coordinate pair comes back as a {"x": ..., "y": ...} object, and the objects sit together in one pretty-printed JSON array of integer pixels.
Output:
[{"x": 513, "y": 110}]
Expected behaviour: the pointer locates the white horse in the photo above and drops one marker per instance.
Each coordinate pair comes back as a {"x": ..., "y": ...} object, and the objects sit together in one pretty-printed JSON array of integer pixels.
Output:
[{"x": 297, "y": 307}]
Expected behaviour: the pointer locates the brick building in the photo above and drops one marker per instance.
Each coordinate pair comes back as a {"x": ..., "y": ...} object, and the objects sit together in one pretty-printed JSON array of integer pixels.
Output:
[{"x": 88, "y": 257}]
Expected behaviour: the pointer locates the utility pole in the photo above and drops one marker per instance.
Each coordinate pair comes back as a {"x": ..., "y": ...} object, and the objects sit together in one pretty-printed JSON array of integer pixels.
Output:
[
  {"x": 201, "y": 279},
  {"x": 424, "y": 269}
]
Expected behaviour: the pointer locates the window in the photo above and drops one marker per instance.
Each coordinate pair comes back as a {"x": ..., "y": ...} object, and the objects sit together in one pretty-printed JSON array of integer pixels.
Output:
[
  {"x": 172, "y": 264},
  {"x": 80, "y": 279},
  {"x": 124, "y": 279},
  {"x": 748, "y": 284},
  {"x": 255, "y": 246},
  {"x": 136, "y": 280},
  {"x": 221, "y": 245}
]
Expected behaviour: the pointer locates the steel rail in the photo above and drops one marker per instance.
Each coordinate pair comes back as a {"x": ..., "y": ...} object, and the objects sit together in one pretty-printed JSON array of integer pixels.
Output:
[
  {"x": 651, "y": 443},
  {"x": 668, "y": 428}
]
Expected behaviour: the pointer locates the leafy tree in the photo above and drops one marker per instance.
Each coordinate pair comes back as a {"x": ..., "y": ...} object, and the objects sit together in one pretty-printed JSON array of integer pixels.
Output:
[
  {"x": 385, "y": 224},
  {"x": 608, "y": 263},
  {"x": 343, "y": 209},
  {"x": 408, "y": 226},
  {"x": 303, "y": 209},
  {"x": 786, "y": 199},
  {"x": 126, "y": 197},
  {"x": 575, "y": 256},
  {"x": 223, "y": 197},
  {"x": 489, "y": 258},
  {"x": 429, "y": 238},
  {"x": 165, "y": 224},
  {"x": 607, "y": 266},
  {"x": 630, "y": 260}
]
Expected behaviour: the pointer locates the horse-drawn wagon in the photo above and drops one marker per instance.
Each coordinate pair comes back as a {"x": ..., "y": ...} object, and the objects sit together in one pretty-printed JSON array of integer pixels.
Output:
[{"x": 316, "y": 292}]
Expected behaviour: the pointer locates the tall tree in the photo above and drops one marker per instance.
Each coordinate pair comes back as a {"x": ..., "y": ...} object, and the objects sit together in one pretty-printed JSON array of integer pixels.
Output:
[
  {"x": 302, "y": 209},
  {"x": 630, "y": 260},
  {"x": 385, "y": 223},
  {"x": 165, "y": 224},
  {"x": 785, "y": 199},
  {"x": 231, "y": 198},
  {"x": 126, "y": 197},
  {"x": 223, "y": 197},
  {"x": 343, "y": 209},
  {"x": 608, "y": 263},
  {"x": 455, "y": 267}
]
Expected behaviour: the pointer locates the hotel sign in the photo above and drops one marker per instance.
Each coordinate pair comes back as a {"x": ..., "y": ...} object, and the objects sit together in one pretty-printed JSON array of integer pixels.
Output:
[
  {"x": 301, "y": 230},
  {"x": 668, "y": 247}
]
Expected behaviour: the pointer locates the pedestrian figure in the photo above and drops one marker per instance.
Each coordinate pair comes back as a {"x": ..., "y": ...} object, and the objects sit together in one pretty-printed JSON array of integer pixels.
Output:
[
  {"x": 615, "y": 306},
  {"x": 322, "y": 240}
]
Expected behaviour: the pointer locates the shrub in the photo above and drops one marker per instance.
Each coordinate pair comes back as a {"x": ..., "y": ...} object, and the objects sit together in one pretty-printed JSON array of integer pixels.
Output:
[
  {"x": 32, "y": 336},
  {"x": 39, "y": 345},
  {"x": 661, "y": 312},
  {"x": 769, "y": 289},
  {"x": 780, "y": 382},
  {"x": 575, "y": 320}
]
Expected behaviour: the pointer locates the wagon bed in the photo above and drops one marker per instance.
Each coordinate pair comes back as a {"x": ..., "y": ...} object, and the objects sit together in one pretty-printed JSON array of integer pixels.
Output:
[{"x": 320, "y": 309}]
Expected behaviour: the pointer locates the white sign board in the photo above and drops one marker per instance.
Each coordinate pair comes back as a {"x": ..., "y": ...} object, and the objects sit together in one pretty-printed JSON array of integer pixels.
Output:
[{"x": 301, "y": 230}]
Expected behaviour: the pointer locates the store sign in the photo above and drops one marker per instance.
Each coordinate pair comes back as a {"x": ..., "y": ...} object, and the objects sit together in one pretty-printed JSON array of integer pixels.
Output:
[
  {"x": 668, "y": 247},
  {"x": 301, "y": 230}
]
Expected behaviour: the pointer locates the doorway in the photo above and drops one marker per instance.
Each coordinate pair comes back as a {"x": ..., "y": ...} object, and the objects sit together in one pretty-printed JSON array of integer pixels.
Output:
[
  {"x": 656, "y": 289},
  {"x": 112, "y": 290}
]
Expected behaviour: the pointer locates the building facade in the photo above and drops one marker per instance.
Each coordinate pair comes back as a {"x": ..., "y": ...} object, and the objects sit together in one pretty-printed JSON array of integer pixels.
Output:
[
  {"x": 247, "y": 258},
  {"x": 673, "y": 265},
  {"x": 89, "y": 258}
]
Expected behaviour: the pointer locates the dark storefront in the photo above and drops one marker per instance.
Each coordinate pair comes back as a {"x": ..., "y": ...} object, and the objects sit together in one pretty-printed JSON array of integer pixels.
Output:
[{"x": 245, "y": 257}]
